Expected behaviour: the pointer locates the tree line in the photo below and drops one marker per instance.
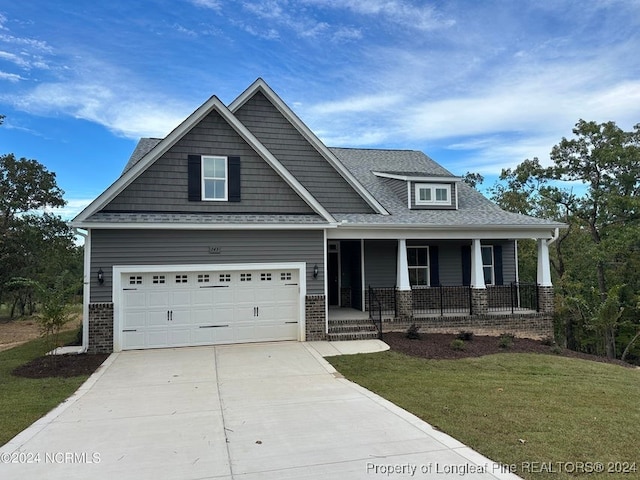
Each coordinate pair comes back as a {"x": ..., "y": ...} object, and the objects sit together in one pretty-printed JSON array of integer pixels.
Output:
[
  {"x": 38, "y": 254},
  {"x": 592, "y": 184}
]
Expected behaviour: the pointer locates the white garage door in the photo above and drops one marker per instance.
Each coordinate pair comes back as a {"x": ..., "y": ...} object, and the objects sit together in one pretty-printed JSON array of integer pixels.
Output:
[{"x": 175, "y": 309}]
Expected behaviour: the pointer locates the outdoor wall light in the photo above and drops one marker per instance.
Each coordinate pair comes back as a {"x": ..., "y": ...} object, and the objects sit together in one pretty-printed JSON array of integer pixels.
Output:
[
  {"x": 100, "y": 277},
  {"x": 315, "y": 271}
]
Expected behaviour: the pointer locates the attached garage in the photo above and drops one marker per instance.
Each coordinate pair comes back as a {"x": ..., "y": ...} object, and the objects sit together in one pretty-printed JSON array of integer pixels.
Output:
[{"x": 178, "y": 305}]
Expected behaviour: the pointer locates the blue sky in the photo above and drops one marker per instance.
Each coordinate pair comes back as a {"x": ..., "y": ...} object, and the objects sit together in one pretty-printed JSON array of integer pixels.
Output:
[{"x": 477, "y": 85}]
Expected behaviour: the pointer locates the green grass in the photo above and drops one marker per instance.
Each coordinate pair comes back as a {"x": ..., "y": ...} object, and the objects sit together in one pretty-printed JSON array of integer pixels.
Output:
[
  {"x": 25, "y": 400},
  {"x": 565, "y": 410}
]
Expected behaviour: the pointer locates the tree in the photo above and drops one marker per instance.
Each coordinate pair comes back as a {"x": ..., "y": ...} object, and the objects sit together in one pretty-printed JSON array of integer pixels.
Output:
[
  {"x": 603, "y": 212},
  {"x": 34, "y": 246}
]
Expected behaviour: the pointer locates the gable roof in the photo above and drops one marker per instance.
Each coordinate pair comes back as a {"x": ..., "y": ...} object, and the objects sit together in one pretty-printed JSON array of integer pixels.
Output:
[
  {"x": 141, "y": 160},
  {"x": 474, "y": 209},
  {"x": 260, "y": 86}
]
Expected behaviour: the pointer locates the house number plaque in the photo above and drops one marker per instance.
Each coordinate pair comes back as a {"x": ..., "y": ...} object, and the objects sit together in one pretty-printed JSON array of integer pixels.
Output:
[{"x": 215, "y": 250}]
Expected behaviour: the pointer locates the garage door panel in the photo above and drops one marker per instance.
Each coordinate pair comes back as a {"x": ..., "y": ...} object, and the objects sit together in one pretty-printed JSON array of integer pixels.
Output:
[{"x": 204, "y": 308}]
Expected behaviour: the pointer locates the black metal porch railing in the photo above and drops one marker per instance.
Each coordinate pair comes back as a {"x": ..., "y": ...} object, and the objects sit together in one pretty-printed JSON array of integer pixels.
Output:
[
  {"x": 513, "y": 297},
  {"x": 386, "y": 296},
  {"x": 375, "y": 310},
  {"x": 441, "y": 300}
]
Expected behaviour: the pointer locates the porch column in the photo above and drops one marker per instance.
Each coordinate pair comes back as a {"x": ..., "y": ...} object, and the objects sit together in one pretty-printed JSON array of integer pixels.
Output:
[
  {"x": 404, "y": 295},
  {"x": 546, "y": 302},
  {"x": 477, "y": 274},
  {"x": 479, "y": 294},
  {"x": 402, "y": 277},
  {"x": 544, "y": 270}
]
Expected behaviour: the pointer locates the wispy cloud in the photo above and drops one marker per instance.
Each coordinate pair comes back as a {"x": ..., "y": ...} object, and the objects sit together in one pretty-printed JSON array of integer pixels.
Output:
[
  {"x": 11, "y": 77},
  {"x": 210, "y": 4},
  {"x": 403, "y": 13}
]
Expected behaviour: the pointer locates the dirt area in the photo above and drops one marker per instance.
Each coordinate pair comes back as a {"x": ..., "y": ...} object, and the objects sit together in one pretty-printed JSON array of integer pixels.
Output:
[
  {"x": 438, "y": 346},
  {"x": 61, "y": 366},
  {"x": 17, "y": 332}
]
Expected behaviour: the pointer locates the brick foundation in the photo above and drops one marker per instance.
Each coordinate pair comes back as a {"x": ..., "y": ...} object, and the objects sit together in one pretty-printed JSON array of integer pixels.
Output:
[
  {"x": 404, "y": 304},
  {"x": 315, "y": 321},
  {"x": 479, "y": 301},
  {"x": 528, "y": 325},
  {"x": 546, "y": 300},
  {"x": 100, "y": 328}
]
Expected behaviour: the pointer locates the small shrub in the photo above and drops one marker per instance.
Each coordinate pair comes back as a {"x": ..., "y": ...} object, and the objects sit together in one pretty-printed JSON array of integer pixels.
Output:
[
  {"x": 465, "y": 336},
  {"x": 413, "y": 332},
  {"x": 506, "y": 340},
  {"x": 548, "y": 341},
  {"x": 457, "y": 344},
  {"x": 556, "y": 349}
]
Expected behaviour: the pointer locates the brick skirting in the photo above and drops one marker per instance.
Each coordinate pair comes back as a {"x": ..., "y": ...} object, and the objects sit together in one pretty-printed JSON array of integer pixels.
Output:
[
  {"x": 525, "y": 325},
  {"x": 315, "y": 321},
  {"x": 100, "y": 328}
]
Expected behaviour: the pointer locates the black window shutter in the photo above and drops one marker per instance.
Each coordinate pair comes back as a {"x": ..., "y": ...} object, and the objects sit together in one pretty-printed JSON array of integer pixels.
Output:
[
  {"x": 234, "y": 179},
  {"x": 465, "y": 252},
  {"x": 434, "y": 267},
  {"x": 194, "y": 178},
  {"x": 497, "y": 258}
]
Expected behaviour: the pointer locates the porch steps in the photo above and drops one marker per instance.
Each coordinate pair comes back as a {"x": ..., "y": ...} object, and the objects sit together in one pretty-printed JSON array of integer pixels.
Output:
[{"x": 357, "y": 329}]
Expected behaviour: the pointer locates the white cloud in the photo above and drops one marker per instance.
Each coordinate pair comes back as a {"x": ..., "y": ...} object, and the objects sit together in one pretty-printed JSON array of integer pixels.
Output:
[
  {"x": 358, "y": 104},
  {"x": 13, "y": 58},
  {"x": 131, "y": 113},
  {"x": 73, "y": 207},
  {"x": 210, "y": 4},
  {"x": 11, "y": 77}
]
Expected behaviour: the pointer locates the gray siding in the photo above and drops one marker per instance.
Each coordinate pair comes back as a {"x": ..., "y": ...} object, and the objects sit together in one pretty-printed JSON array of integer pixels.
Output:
[
  {"x": 299, "y": 157},
  {"x": 380, "y": 263},
  {"x": 399, "y": 187},
  {"x": 163, "y": 186},
  {"x": 174, "y": 247}
]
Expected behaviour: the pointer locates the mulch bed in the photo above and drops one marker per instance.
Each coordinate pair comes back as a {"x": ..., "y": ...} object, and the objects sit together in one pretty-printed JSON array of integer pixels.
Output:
[
  {"x": 437, "y": 346},
  {"x": 71, "y": 365}
]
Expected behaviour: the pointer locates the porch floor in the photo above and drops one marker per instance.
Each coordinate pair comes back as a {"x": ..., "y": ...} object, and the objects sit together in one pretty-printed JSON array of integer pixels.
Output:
[{"x": 345, "y": 313}]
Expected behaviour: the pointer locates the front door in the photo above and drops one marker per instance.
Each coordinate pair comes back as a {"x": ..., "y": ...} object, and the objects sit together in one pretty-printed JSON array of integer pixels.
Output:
[{"x": 334, "y": 274}]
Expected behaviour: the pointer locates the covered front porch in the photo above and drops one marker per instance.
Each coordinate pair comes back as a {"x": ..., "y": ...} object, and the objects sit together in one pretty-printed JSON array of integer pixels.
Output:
[{"x": 443, "y": 284}]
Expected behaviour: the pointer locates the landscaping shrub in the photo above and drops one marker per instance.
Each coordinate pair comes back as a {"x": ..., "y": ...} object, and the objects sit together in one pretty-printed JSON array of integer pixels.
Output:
[
  {"x": 465, "y": 336},
  {"x": 506, "y": 340},
  {"x": 413, "y": 332},
  {"x": 457, "y": 344}
]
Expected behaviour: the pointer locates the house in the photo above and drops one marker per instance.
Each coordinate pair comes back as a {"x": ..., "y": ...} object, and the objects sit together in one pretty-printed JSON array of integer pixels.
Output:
[{"x": 242, "y": 226}]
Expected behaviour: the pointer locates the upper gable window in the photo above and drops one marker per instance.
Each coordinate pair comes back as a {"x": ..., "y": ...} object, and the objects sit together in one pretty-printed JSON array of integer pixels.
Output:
[
  {"x": 433, "y": 194},
  {"x": 214, "y": 178}
]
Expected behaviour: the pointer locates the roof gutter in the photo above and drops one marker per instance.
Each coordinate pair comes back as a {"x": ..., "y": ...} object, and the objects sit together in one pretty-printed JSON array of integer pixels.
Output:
[{"x": 86, "y": 287}]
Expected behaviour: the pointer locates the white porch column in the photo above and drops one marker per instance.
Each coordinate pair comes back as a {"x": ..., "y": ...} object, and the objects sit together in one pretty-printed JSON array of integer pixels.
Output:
[
  {"x": 402, "y": 277},
  {"x": 477, "y": 274},
  {"x": 544, "y": 269}
]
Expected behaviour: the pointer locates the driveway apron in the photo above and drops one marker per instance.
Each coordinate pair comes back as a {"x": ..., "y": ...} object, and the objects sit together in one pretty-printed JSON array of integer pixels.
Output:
[{"x": 253, "y": 411}]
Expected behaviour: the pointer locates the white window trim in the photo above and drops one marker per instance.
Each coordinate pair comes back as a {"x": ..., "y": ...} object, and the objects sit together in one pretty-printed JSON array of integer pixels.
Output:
[
  {"x": 492, "y": 265},
  {"x": 433, "y": 187},
  {"x": 422, "y": 267},
  {"x": 226, "y": 178}
]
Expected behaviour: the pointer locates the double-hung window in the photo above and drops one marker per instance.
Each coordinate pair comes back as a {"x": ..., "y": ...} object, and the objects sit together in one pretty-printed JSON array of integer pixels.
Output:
[
  {"x": 214, "y": 178},
  {"x": 433, "y": 194},
  {"x": 418, "y": 262},
  {"x": 488, "y": 265}
]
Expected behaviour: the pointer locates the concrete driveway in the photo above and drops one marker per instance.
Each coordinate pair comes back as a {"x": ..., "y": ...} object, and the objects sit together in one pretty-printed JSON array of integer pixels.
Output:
[{"x": 258, "y": 411}]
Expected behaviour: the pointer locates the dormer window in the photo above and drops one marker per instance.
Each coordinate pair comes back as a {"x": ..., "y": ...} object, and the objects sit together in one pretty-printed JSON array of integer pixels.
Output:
[{"x": 433, "y": 194}]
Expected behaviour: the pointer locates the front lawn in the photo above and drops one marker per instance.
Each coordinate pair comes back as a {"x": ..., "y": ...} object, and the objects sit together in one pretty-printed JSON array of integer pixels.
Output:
[
  {"x": 527, "y": 410},
  {"x": 25, "y": 400}
]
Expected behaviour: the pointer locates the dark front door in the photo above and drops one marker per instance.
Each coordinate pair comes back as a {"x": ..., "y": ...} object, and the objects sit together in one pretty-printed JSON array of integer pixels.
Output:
[{"x": 334, "y": 278}]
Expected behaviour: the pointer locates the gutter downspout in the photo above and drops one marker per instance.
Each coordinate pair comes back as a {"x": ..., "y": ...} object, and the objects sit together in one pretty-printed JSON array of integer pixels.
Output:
[
  {"x": 86, "y": 288},
  {"x": 556, "y": 235}
]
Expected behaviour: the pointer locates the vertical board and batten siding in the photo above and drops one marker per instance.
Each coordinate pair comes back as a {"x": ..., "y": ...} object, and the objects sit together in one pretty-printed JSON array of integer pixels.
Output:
[
  {"x": 299, "y": 157},
  {"x": 164, "y": 185},
  {"x": 175, "y": 247}
]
